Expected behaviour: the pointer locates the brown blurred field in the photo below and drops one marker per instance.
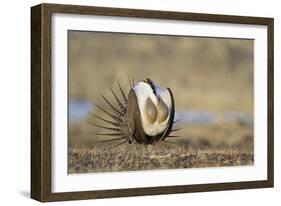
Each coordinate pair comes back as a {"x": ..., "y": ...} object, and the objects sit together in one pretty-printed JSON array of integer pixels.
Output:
[{"x": 205, "y": 74}]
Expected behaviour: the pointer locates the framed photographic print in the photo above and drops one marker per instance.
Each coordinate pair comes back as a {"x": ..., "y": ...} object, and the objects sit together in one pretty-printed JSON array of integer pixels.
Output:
[{"x": 132, "y": 102}]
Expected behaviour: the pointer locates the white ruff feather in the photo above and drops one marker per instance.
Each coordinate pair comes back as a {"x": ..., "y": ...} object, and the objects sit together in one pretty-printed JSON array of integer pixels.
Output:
[{"x": 143, "y": 91}]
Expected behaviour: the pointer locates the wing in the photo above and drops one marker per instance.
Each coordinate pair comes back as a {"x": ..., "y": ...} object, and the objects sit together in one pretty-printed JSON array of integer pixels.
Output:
[
  {"x": 134, "y": 122},
  {"x": 171, "y": 119}
]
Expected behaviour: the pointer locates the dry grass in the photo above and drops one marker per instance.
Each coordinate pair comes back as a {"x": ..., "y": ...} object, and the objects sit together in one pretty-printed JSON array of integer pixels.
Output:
[{"x": 102, "y": 158}]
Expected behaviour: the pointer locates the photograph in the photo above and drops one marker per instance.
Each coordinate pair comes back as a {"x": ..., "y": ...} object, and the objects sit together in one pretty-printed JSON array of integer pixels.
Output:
[
  {"x": 139, "y": 101},
  {"x": 132, "y": 102}
]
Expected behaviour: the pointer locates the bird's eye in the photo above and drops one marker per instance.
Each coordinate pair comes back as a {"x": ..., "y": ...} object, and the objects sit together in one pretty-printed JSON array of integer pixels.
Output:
[
  {"x": 163, "y": 111},
  {"x": 150, "y": 111}
]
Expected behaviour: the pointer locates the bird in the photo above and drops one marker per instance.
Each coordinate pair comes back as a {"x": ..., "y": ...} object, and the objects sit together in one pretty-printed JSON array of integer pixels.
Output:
[{"x": 145, "y": 116}]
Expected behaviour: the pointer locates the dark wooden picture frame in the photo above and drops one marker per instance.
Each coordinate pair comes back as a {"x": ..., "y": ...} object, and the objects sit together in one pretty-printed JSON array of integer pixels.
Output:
[{"x": 41, "y": 117}]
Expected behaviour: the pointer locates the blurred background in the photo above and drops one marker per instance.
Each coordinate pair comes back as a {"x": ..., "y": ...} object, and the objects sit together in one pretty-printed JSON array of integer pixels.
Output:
[{"x": 211, "y": 79}]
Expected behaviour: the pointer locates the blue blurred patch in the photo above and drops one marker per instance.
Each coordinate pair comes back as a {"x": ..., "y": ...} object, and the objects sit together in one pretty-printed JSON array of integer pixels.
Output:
[
  {"x": 195, "y": 117},
  {"x": 79, "y": 109},
  {"x": 238, "y": 117}
]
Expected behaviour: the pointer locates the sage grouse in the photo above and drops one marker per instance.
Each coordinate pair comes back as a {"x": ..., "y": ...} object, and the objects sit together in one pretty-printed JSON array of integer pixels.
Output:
[{"x": 145, "y": 116}]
